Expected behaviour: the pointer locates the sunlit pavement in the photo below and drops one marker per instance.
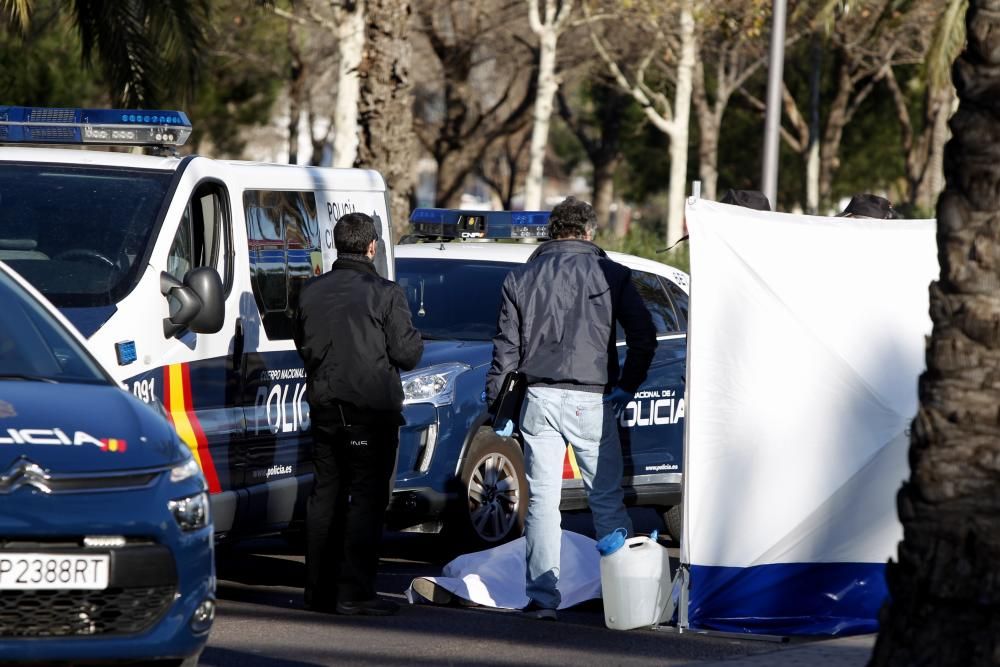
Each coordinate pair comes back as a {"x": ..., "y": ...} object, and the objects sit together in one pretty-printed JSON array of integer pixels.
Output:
[{"x": 261, "y": 622}]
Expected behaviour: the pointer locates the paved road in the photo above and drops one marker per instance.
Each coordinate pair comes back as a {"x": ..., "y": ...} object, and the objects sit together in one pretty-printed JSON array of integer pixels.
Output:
[{"x": 261, "y": 622}]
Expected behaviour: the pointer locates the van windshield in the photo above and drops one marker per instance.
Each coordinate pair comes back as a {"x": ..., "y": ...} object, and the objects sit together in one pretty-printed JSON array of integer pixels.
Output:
[{"x": 78, "y": 233}]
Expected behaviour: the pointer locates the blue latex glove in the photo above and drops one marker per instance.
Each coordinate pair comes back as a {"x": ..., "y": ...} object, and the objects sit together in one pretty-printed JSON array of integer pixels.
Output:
[
  {"x": 505, "y": 430},
  {"x": 618, "y": 399}
]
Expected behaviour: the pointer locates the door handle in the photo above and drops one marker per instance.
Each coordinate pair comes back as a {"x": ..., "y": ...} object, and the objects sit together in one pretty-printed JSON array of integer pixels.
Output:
[{"x": 238, "y": 345}]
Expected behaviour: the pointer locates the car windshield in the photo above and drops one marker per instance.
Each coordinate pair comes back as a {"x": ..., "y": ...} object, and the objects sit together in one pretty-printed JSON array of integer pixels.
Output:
[
  {"x": 34, "y": 346},
  {"x": 453, "y": 299},
  {"x": 78, "y": 233}
]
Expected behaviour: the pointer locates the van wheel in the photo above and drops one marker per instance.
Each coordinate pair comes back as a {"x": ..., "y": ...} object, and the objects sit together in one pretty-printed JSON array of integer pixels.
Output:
[
  {"x": 673, "y": 519},
  {"x": 494, "y": 493}
]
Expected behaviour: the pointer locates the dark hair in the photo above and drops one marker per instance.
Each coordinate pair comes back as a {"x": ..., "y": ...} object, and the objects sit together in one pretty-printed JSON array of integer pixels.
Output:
[
  {"x": 754, "y": 199},
  {"x": 353, "y": 232},
  {"x": 869, "y": 206},
  {"x": 572, "y": 219}
]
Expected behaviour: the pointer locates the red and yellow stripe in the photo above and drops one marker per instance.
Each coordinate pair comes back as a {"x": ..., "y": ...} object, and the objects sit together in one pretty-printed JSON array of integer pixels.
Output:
[
  {"x": 179, "y": 405},
  {"x": 570, "y": 468}
]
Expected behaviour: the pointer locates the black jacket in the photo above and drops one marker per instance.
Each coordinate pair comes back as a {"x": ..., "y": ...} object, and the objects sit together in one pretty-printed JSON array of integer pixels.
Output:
[
  {"x": 354, "y": 333},
  {"x": 557, "y": 321}
]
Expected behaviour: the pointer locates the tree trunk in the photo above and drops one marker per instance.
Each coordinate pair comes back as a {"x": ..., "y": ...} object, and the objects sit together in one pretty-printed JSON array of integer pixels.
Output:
[
  {"x": 548, "y": 83},
  {"x": 931, "y": 182},
  {"x": 709, "y": 126},
  {"x": 812, "y": 151},
  {"x": 386, "y": 139},
  {"x": 604, "y": 192},
  {"x": 682, "y": 117},
  {"x": 296, "y": 96},
  {"x": 450, "y": 183},
  {"x": 945, "y": 590},
  {"x": 350, "y": 44},
  {"x": 829, "y": 151}
]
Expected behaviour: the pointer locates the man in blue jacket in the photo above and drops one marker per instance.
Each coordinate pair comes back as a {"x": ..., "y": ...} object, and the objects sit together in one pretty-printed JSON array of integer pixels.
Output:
[{"x": 557, "y": 326}]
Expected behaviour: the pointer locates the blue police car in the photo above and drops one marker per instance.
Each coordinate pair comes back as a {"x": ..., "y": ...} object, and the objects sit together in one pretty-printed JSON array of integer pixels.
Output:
[
  {"x": 454, "y": 473},
  {"x": 105, "y": 539}
]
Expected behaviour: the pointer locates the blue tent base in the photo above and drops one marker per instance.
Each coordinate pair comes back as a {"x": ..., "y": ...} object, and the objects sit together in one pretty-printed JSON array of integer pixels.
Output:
[{"x": 796, "y": 599}]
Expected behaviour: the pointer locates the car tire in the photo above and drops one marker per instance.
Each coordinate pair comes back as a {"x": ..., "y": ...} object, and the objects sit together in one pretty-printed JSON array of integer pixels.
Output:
[
  {"x": 494, "y": 493},
  {"x": 673, "y": 520}
]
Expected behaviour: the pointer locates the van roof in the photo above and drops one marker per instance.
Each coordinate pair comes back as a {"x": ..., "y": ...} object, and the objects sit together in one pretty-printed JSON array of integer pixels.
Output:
[
  {"x": 248, "y": 172},
  {"x": 87, "y": 157}
]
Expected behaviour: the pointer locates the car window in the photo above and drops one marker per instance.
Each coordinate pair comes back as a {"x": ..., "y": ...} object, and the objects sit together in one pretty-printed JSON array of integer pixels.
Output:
[
  {"x": 200, "y": 235},
  {"x": 453, "y": 300},
  {"x": 284, "y": 248},
  {"x": 34, "y": 345},
  {"x": 680, "y": 299},
  {"x": 661, "y": 308},
  {"x": 79, "y": 233}
]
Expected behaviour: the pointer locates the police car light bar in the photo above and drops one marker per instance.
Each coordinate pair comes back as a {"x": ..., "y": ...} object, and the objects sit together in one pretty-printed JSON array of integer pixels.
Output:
[
  {"x": 452, "y": 223},
  {"x": 120, "y": 127}
]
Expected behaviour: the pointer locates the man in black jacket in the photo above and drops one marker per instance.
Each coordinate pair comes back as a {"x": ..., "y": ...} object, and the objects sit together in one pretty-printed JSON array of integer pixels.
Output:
[
  {"x": 557, "y": 326},
  {"x": 353, "y": 332}
]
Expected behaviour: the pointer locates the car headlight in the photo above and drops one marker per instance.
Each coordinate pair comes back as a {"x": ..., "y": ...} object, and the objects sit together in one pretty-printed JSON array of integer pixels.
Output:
[
  {"x": 434, "y": 384},
  {"x": 184, "y": 471},
  {"x": 191, "y": 512}
]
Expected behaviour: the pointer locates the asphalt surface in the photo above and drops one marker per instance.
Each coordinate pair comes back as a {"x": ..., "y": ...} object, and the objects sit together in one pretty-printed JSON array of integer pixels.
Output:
[{"x": 261, "y": 620}]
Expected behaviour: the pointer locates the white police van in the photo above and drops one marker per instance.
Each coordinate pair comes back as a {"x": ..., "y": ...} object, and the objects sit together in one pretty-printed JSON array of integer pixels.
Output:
[{"x": 183, "y": 275}]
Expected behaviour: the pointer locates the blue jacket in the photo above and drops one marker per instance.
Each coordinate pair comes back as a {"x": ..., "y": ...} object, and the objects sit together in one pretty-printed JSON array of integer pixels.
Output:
[{"x": 557, "y": 322}]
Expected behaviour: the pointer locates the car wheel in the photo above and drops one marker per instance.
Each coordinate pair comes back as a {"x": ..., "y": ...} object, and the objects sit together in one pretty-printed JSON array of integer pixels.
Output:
[
  {"x": 673, "y": 519},
  {"x": 495, "y": 492}
]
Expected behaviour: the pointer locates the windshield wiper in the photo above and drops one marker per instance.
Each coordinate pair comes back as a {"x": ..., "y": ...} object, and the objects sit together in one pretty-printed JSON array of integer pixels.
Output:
[
  {"x": 29, "y": 378},
  {"x": 427, "y": 336}
]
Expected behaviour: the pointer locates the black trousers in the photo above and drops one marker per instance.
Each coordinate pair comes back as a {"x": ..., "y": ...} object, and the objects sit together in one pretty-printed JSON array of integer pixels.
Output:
[{"x": 353, "y": 467}]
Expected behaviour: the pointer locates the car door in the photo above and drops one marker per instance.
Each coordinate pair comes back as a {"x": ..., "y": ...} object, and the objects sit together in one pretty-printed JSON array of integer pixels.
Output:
[
  {"x": 652, "y": 425},
  {"x": 195, "y": 378},
  {"x": 283, "y": 247}
]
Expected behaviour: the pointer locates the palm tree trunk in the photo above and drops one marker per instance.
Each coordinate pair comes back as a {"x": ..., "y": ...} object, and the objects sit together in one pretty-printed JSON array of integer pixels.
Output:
[
  {"x": 945, "y": 590},
  {"x": 385, "y": 114}
]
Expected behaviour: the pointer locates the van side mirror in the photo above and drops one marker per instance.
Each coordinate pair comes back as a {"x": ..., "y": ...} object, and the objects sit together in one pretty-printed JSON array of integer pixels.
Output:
[{"x": 197, "y": 304}]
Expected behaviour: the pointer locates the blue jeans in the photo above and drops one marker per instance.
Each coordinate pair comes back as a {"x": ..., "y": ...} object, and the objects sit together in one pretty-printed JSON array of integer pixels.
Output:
[{"x": 550, "y": 419}]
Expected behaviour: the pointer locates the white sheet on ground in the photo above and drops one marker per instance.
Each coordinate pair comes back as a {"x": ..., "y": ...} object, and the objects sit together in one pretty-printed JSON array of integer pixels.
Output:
[{"x": 495, "y": 577}]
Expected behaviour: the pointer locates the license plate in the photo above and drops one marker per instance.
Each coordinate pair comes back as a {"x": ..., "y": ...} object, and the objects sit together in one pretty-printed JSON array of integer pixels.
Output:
[{"x": 34, "y": 571}]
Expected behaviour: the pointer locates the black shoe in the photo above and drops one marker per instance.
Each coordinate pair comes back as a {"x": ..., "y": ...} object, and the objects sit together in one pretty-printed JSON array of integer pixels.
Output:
[
  {"x": 539, "y": 613},
  {"x": 373, "y": 607},
  {"x": 322, "y": 605}
]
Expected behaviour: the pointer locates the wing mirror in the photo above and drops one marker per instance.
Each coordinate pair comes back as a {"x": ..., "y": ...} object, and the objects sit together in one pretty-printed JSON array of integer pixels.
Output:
[{"x": 196, "y": 304}]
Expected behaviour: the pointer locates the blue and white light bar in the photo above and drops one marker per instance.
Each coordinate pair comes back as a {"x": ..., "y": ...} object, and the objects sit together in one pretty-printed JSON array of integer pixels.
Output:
[
  {"x": 456, "y": 224},
  {"x": 114, "y": 127}
]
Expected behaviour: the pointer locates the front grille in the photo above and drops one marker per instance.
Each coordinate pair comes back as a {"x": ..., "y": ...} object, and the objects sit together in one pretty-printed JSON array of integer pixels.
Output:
[{"x": 59, "y": 613}]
